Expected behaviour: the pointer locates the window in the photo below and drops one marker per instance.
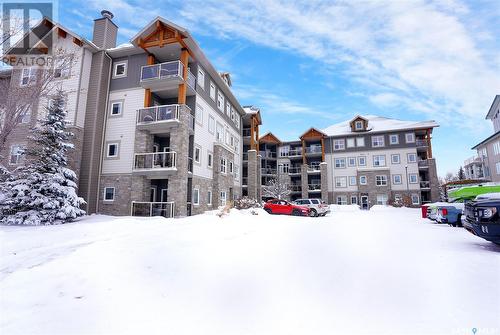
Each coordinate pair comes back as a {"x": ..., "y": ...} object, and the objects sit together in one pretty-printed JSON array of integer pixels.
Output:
[
  {"x": 233, "y": 115},
  {"x": 341, "y": 200},
  {"x": 201, "y": 78},
  {"x": 362, "y": 180},
  {"x": 411, "y": 158},
  {"x": 410, "y": 137},
  {"x": 362, "y": 161},
  {"x": 212, "y": 91},
  {"x": 237, "y": 146},
  {"x": 220, "y": 101},
  {"x": 227, "y": 137},
  {"x": 381, "y": 180},
  {"x": 196, "y": 197},
  {"x": 360, "y": 141},
  {"x": 352, "y": 181},
  {"x": 237, "y": 122},
  {"x": 120, "y": 69},
  {"x": 209, "y": 198},
  {"x": 395, "y": 159},
  {"x": 351, "y": 161},
  {"x": 284, "y": 168},
  {"x": 211, "y": 124},
  {"x": 236, "y": 172},
  {"x": 62, "y": 67},
  {"x": 210, "y": 158},
  {"x": 358, "y": 125},
  {"x": 199, "y": 114},
  {"x": 223, "y": 165},
  {"x": 339, "y": 144},
  {"x": 497, "y": 167},
  {"x": 382, "y": 199},
  {"x": 340, "y": 163},
  {"x": 228, "y": 109},
  {"x": 231, "y": 167},
  {"x": 26, "y": 117},
  {"x": 109, "y": 194},
  {"x": 197, "y": 155},
  {"x": 394, "y": 138},
  {"x": 28, "y": 76},
  {"x": 396, "y": 179},
  {"x": 219, "y": 133},
  {"x": 377, "y": 141},
  {"x": 354, "y": 200},
  {"x": 112, "y": 150},
  {"x": 496, "y": 148},
  {"x": 223, "y": 198},
  {"x": 341, "y": 182},
  {"x": 16, "y": 152},
  {"x": 116, "y": 108},
  {"x": 379, "y": 160},
  {"x": 413, "y": 178},
  {"x": 351, "y": 142},
  {"x": 415, "y": 200}
]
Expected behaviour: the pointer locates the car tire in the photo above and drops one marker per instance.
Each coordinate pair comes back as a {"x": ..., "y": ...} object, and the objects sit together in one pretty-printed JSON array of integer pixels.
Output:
[
  {"x": 268, "y": 210},
  {"x": 313, "y": 213},
  {"x": 295, "y": 212},
  {"x": 459, "y": 221}
]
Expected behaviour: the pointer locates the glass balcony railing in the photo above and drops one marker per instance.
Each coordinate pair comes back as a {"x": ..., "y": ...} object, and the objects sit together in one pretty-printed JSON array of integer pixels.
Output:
[
  {"x": 159, "y": 113},
  {"x": 313, "y": 150},
  {"x": 162, "y": 71},
  {"x": 314, "y": 187},
  {"x": 155, "y": 160},
  {"x": 421, "y": 143},
  {"x": 165, "y": 209},
  {"x": 191, "y": 80},
  {"x": 425, "y": 184},
  {"x": 295, "y": 152},
  {"x": 295, "y": 188},
  {"x": 313, "y": 167}
]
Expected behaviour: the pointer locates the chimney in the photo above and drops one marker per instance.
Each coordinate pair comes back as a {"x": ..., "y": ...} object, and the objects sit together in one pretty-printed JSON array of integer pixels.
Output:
[{"x": 105, "y": 31}]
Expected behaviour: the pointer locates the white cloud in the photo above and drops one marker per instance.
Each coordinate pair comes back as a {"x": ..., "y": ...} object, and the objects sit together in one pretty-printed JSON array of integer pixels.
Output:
[{"x": 419, "y": 55}]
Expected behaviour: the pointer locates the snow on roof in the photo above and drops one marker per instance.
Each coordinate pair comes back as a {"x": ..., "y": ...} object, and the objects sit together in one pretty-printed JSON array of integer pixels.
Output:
[
  {"x": 378, "y": 124},
  {"x": 122, "y": 46},
  {"x": 251, "y": 109}
]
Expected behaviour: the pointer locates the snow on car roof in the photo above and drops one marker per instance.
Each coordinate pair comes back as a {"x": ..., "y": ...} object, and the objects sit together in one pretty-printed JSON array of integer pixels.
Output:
[
  {"x": 378, "y": 124},
  {"x": 489, "y": 196}
]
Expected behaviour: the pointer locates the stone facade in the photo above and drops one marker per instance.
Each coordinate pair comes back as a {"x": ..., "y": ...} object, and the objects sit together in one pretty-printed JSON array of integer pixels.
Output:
[
  {"x": 253, "y": 179},
  {"x": 204, "y": 186},
  {"x": 324, "y": 181},
  {"x": 434, "y": 180},
  {"x": 304, "y": 182},
  {"x": 223, "y": 181},
  {"x": 371, "y": 188},
  {"x": 124, "y": 194}
]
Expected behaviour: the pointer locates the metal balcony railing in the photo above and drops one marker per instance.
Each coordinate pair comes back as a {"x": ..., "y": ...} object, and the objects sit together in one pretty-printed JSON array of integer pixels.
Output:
[
  {"x": 162, "y": 71},
  {"x": 425, "y": 184},
  {"x": 313, "y": 168},
  {"x": 421, "y": 143},
  {"x": 314, "y": 187},
  {"x": 155, "y": 160},
  {"x": 165, "y": 209},
  {"x": 295, "y": 188}
]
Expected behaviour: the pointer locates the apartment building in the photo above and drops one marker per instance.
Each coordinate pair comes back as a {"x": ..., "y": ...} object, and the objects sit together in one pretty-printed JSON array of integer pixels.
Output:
[
  {"x": 158, "y": 130},
  {"x": 486, "y": 163},
  {"x": 367, "y": 160}
]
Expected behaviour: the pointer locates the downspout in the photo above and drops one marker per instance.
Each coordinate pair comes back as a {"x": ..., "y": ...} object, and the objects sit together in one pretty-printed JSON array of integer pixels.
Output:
[{"x": 103, "y": 132}]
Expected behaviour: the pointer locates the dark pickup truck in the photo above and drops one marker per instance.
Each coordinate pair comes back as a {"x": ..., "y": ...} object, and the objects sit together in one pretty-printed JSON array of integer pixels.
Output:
[{"x": 482, "y": 218}]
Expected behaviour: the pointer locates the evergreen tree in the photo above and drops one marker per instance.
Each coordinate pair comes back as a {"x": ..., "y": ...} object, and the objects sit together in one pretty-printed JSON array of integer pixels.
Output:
[
  {"x": 43, "y": 191},
  {"x": 461, "y": 174}
]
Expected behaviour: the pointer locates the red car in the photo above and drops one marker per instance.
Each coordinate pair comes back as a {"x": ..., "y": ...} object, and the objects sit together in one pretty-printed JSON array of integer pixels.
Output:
[{"x": 276, "y": 206}]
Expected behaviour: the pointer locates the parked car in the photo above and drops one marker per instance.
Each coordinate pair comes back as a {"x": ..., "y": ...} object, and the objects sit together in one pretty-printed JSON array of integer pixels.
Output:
[
  {"x": 432, "y": 210},
  {"x": 277, "y": 206},
  {"x": 482, "y": 217},
  {"x": 316, "y": 206},
  {"x": 450, "y": 213}
]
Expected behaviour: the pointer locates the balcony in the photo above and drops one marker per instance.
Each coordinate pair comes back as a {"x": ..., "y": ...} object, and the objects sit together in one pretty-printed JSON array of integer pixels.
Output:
[
  {"x": 161, "y": 119},
  {"x": 295, "y": 152},
  {"x": 314, "y": 150},
  {"x": 295, "y": 170},
  {"x": 147, "y": 209},
  {"x": 313, "y": 168},
  {"x": 247, "y": 132},
  {"x": 425, "y": 184},
  {"x": 295, "y": 188},
  {"x": 268, "y": 154},
  {"x": 245, "y": 156},
  {"x": 268, "y": 171},
  {"x": 155, "y": 165},
  {"x": 244, "y": 181},
  {"x": 314, "y": 187},
  {"x": 423, "y": 164},
  {"x": 421, "y": 143},
  {"x": 165, "y": 78}
]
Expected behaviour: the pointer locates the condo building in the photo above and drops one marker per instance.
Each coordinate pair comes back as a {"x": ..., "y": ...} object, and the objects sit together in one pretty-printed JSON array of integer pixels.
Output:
[
  {"x": 486, "y": 163},
  {"x": 366, "y": 161},
  {"x": 158, "y": 131}
]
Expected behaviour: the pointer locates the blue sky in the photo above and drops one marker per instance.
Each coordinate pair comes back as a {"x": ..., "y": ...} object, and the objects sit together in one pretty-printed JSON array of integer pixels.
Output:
[{"x": 316, "y": 63}]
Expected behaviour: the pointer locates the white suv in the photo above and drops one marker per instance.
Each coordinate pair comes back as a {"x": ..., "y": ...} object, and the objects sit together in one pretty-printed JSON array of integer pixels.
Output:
[{"x": 316, "y": 206}]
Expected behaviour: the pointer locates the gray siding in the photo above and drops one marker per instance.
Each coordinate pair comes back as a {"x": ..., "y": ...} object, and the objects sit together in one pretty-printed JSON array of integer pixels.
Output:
[
  {"x": 132, "y": 80},
  {"x": 368, "y": 142}
]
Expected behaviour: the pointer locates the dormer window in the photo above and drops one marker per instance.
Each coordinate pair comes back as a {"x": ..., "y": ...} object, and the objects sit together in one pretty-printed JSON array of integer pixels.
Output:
[{"x": 358, "y": 125}]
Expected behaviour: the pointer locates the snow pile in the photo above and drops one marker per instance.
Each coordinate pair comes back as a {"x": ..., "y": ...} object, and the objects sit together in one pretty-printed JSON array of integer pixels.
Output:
[
  {"x": 344, "y": 208},
  {"x": 359, "y": 272}
]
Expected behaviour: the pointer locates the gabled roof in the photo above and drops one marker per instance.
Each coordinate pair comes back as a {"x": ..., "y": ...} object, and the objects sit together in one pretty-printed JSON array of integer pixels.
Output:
[
  {"x": 253, "y": 111},
  {"x": 495, "y": 135},
  {"x": 192, "y": 46},
  {"x": 52, "y": 27},
  {"x": 313, "y": 133},
  {"x": 357, "y": 117},
  {"x": 379, "y": 124},
  {"x": 269, "y": 138},
  {"x": 495, "y": 105}
]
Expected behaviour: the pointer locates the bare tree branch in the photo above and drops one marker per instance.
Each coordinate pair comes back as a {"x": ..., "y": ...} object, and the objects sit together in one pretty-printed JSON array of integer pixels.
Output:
[{"x": 277, "y": 187}]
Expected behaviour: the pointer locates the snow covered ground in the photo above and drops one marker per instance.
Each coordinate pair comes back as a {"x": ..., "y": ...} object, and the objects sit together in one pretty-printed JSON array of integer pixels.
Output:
[{"x": 385, "y": 271}]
